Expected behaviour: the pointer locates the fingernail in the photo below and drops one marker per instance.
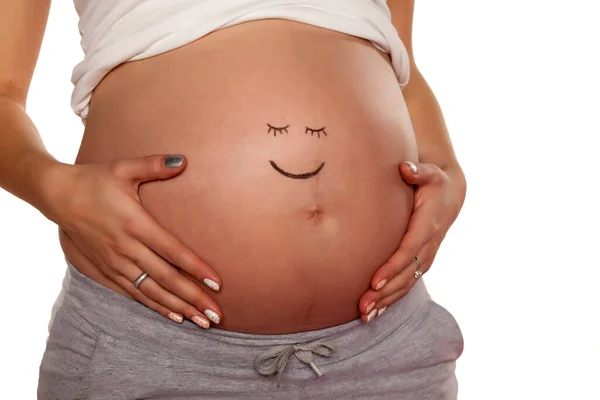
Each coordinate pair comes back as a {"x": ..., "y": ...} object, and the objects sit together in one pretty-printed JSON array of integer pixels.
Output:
[
  {"x": 201, "y": 322},
  {"x": 173, "y": 161},
  {"x": 381, "y": 311},
  {"x": 211, "y": 284},
  {"x": 213, "y": 316},
  {"x": 176, "y": 317},
  {"x": 370, "y": 307},
  {"x": 381, "y": 284},
  {"x": 371, "y": 315},
  {"x": 412, "y": 166}
]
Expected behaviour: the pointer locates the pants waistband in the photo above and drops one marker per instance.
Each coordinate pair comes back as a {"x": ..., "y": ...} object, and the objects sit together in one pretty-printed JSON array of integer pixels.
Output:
[{"x": 114, "y": 314}]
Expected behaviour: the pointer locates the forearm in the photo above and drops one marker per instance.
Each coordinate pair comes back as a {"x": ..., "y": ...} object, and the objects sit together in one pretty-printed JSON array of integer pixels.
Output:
[
  {"x": 433, "y": 140},
  {"x": 25, "y": 165}
]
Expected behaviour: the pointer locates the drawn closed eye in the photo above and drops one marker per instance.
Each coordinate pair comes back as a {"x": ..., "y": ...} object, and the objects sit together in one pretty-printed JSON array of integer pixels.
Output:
[
  {"x": 278, "y": 131},
  {"x": 317, "y": 131}
]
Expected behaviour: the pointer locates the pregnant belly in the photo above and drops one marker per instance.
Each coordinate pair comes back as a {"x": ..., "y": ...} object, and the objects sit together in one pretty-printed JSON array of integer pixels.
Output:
[{"x": 293, "y": 136}]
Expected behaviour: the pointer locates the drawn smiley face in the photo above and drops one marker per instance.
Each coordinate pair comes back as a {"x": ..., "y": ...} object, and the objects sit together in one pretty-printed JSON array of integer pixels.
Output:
[{"x": 280, "y": 131}]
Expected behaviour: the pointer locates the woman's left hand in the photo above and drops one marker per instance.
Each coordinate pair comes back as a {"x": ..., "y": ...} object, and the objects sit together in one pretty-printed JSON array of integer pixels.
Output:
[{"x": 439, "y": 196}]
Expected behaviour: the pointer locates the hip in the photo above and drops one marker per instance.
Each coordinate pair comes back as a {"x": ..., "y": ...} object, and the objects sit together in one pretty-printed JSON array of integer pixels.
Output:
[{"x": 106, "y": 346}]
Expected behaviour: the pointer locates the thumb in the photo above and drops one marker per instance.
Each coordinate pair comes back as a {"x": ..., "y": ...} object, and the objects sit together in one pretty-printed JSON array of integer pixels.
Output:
[
  {"x": 151, "y": 168},
  {"x": 415, "y": 173}
]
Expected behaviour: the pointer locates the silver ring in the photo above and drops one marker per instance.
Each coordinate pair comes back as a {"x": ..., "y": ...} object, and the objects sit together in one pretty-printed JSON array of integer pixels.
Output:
[
  {"x": 418, "y": 272},
  {"x": 140, "y": 279}
]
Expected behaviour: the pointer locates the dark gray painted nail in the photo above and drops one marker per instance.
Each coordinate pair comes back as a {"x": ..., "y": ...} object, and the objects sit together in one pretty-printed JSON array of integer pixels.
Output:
[{"x": 173, "y": 161}]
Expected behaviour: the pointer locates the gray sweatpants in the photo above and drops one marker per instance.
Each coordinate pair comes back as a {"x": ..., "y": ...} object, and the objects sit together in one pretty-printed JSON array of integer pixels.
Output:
[{"x": 103, "y": 346}]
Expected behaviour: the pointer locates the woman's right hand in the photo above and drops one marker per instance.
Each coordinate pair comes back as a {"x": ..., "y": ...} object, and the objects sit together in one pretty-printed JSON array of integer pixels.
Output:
[{"x": 99, "y": 208}]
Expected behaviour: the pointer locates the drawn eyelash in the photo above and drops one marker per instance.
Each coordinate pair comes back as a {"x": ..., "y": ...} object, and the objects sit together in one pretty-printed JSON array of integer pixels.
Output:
[
  {"x": 277, "y": 130},
  {"x": 317, "y": 131}
]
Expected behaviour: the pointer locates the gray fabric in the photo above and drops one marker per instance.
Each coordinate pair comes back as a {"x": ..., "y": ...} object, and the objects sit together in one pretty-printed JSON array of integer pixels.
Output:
[
  {"x": 281, "y": 354},
  {"x": 103, "y": 345}
]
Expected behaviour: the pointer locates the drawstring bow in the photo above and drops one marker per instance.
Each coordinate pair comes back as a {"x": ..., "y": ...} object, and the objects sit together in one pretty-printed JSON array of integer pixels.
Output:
[{"x": 274, "y": 360}]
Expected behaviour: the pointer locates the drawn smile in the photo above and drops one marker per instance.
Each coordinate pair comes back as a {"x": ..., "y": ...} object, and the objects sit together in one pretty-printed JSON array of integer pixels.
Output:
[{"x": 305, "y": 175}]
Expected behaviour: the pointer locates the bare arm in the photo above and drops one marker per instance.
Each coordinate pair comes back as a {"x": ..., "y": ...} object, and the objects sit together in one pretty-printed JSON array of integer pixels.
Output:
[
  {"x": 24, "y": 162},
  {"x": 105, "y": 221},
  {"x": 433, "y": 140}
]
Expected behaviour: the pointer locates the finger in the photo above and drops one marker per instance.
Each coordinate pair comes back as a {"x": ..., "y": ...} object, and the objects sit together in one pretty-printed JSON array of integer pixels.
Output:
[
  {"x": 151, "y": 292},
  {"x": 388, "y": 301},
  {"x": 167, "y": 246},
  {"x": 417, "y": 234},
  {"x": 367, "y": 302},
  {"x": 415, "y": 173},
  {"x": 142, "y": 298},
  {"x": 120, "y": 265},
  {"x": 139, "y": 296},
  {"x": 169, "y": 278},
  {"x": 401, "y": 283},
  {"x": 405, "y": 279},
  {"x": 149, "y": 168}
]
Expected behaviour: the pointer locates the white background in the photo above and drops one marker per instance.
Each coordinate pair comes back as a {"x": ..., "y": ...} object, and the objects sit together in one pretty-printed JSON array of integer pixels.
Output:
[{"x": 519, "y": 82}]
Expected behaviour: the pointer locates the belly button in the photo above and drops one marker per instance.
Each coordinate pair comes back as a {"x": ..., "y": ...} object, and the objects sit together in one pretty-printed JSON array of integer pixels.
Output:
[
  {"x": 315, "y": 213},
  {"x": 326, "y": 223}
]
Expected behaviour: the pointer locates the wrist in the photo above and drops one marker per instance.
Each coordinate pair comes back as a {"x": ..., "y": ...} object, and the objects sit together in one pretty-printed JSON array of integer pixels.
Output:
[
  {"x": 457, "y": 176},
  {"x": 454, "y": 171},
  {"x": 48, "y": 179}
]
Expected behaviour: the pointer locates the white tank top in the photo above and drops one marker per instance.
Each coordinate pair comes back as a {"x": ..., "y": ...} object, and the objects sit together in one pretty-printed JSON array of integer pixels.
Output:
[{"x": 117, "y": 31}]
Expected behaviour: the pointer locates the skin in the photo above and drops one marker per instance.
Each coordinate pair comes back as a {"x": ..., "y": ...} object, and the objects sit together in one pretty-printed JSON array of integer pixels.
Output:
[
  {"x": 334, "y": 229},
  {"x": 105, "y": 219},
  {"x": 440, "y": 183},
  {"x": 127, "y": 232},
  {"x": 304, "y": 175}
]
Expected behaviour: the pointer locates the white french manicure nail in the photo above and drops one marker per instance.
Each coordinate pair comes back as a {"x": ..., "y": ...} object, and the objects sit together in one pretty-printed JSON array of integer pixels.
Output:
[
  {"x": 381, "y": 311},
  {"x": 371, "y": 315},
  {"x": 201, "y": 322},
  {"x": 381, "y": 284},
  {"x": 213, "y": 316},
  {"x": 176, "y": 317},
  {"x": 370, "y": 307},
  {"x": 211, "y": 284}
]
